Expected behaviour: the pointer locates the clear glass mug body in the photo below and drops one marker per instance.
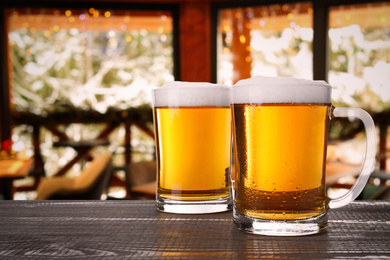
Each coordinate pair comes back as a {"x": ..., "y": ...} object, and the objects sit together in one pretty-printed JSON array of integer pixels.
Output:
[
  {"x": 280, "y": 163},
  {"x": 193, "y": 150}
]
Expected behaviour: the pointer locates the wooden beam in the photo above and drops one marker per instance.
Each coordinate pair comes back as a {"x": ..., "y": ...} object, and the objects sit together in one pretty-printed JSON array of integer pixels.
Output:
[
  {"x": 195, "y": 41},
  {"x": 320, "y": 40}
]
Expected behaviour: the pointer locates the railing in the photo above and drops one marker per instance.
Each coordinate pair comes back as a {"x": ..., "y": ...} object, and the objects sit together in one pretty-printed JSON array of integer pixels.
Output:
[{"x": 139, "y": 117}]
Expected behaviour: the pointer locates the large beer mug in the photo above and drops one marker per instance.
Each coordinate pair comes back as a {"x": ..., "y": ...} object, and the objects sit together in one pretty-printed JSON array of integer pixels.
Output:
[
  {"x": 280, "y": 143},
  {"x": 193, "y": 146}
]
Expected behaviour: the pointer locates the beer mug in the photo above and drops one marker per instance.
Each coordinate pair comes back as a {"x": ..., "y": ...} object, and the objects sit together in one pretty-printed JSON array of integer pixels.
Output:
[
  {"x": 280, "y": 143},
  {"x": 193, "y": 147}
]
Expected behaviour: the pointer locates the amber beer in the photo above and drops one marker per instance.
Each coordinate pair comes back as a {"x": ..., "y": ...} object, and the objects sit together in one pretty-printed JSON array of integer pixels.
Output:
[
  {"x": 193, "y": 147},
  {"x": 280, "y": 159}
]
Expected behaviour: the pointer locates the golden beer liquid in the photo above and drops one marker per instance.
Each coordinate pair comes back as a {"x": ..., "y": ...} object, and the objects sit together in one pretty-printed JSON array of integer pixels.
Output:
[
  {"x": 280, "y": 155},
  {"x": 193, "y": 152}
]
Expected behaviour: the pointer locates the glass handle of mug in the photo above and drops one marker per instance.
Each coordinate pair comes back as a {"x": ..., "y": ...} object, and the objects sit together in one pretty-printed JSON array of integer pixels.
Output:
[{"x": 369, "y": 161}]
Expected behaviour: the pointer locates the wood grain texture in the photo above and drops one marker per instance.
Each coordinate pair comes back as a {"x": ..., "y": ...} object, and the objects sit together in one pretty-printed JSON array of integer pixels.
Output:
[{"x": 135, "y": 230}]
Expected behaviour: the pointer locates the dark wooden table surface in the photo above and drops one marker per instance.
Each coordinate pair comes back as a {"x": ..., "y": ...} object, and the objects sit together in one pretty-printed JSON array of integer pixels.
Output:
[{"x": 135, "y": 230}]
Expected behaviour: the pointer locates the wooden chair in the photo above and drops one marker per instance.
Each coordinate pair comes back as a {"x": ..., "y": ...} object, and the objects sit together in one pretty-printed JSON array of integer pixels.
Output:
[
  {"x": 91, "y": 184},
  {"x": 141, "y": 180}
]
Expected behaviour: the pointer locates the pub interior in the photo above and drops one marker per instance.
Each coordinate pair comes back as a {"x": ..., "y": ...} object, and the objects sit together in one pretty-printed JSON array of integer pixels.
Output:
[{"x": 76, "y": 79}]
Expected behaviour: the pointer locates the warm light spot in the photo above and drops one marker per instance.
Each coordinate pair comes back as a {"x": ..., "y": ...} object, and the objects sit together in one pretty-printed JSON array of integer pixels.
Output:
[
  {"x": 111, "y": 34},
  {"x": 129, "y": 39},
  {"x": 160, "y": 29},
  {"x": 248, "y": 48},
  {"x": 28, "y": 52},
  {"x": 25, "y": 24},
  {"x": 107, "y": 14},
  {"x": 290, "y": 16},
  {"x": 226, "y": 28},
  {"x": 47, "y": 34},
  {"x": 262, "y": 23},
  {"x": 56, "y": 28},
  {"x": 347, "y": 17},
  {"x": 242, "y": 38},
  {"x": 71, "y": 19},
  {"x": 68, "y": 13},
  {"x": 91, "y": 10},
  {"x": 248, "y": 59},
  {"x": 293, "y": 25},
  {"x": 226, "y": 50},
  {"x": 113, "y": 42},
  {"x": 310, "y": 10}
]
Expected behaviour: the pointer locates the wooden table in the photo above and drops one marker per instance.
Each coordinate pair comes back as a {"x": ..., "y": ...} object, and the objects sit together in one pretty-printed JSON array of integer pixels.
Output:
[
  {"x": 135, "y": 230},
  {"x": 11, "y": 169}
]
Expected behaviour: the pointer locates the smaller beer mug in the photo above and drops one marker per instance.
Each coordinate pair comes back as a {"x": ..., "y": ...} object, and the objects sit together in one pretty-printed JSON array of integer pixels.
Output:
[
  {"x": 193, "y": 146},
  {"x": 280, "y": 143}
]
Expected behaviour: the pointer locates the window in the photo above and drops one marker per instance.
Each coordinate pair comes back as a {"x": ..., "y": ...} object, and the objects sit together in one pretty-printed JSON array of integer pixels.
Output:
[
  {"x": 69, "y": 62},
  {"x": 87, "y": 59},
  {"x": 272, "y": 40},
  {"x": 359, "y": 55}
]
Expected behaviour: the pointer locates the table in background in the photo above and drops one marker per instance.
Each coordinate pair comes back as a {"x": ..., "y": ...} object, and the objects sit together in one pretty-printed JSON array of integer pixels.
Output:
[
  {"x": 135, "y": 230},
  {"x": 334, "y": 171},
  {"x": 11, "y": 169}
]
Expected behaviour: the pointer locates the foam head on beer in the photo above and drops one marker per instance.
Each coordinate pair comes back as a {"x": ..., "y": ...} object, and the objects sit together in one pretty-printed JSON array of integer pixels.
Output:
[
  {"x": 182, "y": 94},
  {"x": 260, "y": 89}
]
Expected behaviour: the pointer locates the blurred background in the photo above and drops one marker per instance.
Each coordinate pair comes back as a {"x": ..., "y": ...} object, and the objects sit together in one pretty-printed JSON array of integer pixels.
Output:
[{"x": 76, "y": 75}]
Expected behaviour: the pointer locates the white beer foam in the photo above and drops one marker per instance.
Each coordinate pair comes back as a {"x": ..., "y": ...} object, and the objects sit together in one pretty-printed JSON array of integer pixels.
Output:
[
  {"x": 260, "y": 89},
  {"x": 182, "y": 94}
]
